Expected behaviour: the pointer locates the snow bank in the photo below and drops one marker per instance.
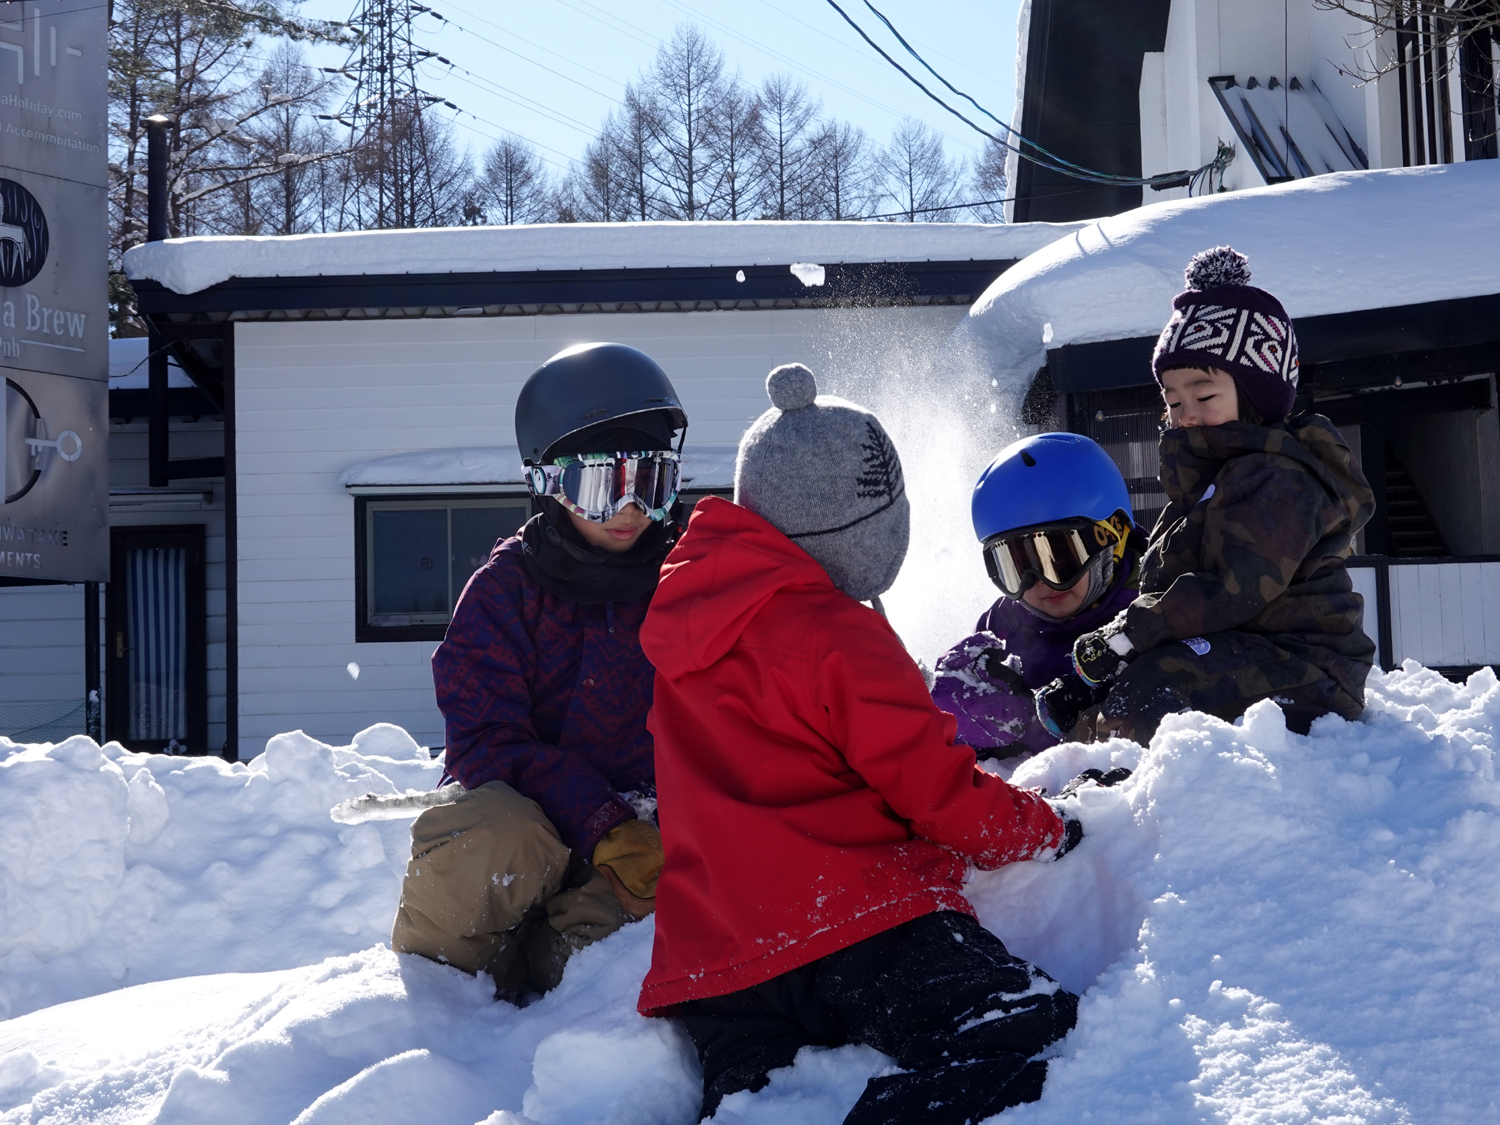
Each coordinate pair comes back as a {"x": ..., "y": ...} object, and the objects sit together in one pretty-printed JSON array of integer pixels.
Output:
[
  {"x": 1265, "y": 927},
  {"x": 1327, "y": 244},
  {"x": 119, "y": 868},
  {"x": 187, "y": 265}
]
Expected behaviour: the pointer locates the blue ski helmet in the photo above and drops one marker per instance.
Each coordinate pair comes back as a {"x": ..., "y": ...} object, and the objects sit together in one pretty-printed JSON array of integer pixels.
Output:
[{"x": 1045, "y": 479}]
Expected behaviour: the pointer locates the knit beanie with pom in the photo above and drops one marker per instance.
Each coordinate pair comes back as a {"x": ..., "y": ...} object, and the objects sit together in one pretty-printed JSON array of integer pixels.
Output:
[
  {"x": 825, "y": 474},
  {"x": 1223, "y": 321}
]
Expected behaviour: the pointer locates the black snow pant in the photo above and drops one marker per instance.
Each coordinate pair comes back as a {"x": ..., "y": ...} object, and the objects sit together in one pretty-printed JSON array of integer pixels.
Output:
[
  {"x": 939, "y": 994},
  {"x": 1220, "y": 674}
]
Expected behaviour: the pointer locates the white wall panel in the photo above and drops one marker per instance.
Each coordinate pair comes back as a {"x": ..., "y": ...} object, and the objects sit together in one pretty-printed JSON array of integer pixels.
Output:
[{"x": 316, "y": 398}]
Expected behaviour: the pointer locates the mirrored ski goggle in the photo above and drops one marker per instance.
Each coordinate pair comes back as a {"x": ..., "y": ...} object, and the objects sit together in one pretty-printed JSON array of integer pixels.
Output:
[
  {"x": 1057, "y": 555},
  {"x": 598, "y": 486}
]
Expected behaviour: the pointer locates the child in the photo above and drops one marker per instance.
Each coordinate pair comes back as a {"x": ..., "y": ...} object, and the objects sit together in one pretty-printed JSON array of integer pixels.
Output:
[
  {"x": 544, "y": 689},
  {"x": 1054, "y": 517},
  {"x": 1244, "y": 593},
  {"x": 817, "y": 815}
]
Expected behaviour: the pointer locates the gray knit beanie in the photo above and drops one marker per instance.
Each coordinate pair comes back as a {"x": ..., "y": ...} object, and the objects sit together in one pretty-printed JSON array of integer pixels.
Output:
[{"x": 825, "y": 474}]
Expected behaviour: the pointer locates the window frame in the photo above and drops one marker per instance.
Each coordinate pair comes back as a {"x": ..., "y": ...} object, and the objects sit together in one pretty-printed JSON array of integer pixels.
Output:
[{"x": 364, "y": 631}]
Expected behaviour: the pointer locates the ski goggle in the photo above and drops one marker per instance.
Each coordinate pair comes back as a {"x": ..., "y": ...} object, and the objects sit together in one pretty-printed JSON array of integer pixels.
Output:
[
  {"x": 1056, "y": 555},
  {"x": 599, "y": 486}
]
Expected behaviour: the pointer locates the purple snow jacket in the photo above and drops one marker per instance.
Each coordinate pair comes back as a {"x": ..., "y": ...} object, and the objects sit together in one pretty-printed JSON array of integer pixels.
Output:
[
  {"x": 992, "y": 714},
  {"x": 549, "y": 696}
]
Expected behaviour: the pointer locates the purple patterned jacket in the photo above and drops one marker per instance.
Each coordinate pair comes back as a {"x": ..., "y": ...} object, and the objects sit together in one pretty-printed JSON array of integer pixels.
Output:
[
  {"x": 547, "y": 695},
  {"x": 990, "y": 714}
]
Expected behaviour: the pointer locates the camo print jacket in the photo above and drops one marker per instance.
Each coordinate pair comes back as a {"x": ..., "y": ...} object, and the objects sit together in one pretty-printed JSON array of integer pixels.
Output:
[{"x": 1254, "y": 538}]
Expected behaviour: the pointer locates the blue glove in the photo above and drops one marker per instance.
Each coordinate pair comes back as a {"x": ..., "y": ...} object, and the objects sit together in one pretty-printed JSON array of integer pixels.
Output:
[{"x": 1059, "y": 704}]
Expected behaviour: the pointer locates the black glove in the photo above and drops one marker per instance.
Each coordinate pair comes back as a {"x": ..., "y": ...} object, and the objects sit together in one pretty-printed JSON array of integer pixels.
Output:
[
  {"x": 1100, "y": 656},
  {"x": 1105, "y": 779},
  {"x": 1072, "y": 830},
  {"x": 1059, "y": 704}
]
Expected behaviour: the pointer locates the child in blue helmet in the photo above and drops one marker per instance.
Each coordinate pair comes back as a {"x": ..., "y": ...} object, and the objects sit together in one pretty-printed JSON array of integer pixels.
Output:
[{"x": 1054, "y": 517}]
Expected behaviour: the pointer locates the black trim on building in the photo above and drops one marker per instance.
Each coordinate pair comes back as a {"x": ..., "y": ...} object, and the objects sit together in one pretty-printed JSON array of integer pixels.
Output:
[
  {"x": 1081, "y": 100},
  {"x": 1339, "y": 351}
]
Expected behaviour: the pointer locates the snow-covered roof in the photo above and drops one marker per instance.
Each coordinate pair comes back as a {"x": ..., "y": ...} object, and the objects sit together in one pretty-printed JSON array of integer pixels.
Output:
[
  {"x": 189, "y": 265},
  {"x": 1328, "y": 244},
  {"x": 703, "y": 466}
]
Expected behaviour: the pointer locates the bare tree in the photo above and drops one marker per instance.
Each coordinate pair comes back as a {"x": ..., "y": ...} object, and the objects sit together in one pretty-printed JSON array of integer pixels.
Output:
[
  {"x": 1433, "y": 29},
  {"x": 986, "y": 189},
  {"x": 188, "y": 60},
  {"x": 787, "y": 116},
  {"x": 407, "y": 171},
  {"x": 685, "y": 86},
  {"x": 288, "y": 201},
  {"x": 512, "y": 187},
  {"x": 918, "y": 177},
  {"x": 595, "y": 189},
  {"x": 631, "y": 134},
  {"x": 840, "y": 171},
  {"x": 737, "y": 140}
]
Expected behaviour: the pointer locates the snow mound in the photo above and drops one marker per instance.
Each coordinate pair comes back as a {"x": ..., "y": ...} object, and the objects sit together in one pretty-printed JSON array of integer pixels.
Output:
[
  {"x": 119, "y": 868},
  {"x": 1264, "y": 926}
]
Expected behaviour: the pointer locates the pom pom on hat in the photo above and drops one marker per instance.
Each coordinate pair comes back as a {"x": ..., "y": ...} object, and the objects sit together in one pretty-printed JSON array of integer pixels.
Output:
[
  {"x": 1224, "y": 322},
  {"x": 1210, "y": 269},
  {"x": 791, "y": 387}
]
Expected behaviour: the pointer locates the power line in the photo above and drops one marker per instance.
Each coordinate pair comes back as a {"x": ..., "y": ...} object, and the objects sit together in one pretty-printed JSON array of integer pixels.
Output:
[{"x": 1048, "y": 160}]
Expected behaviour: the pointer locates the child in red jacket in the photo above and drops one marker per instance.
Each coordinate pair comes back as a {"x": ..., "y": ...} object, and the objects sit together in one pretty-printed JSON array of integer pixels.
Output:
[{"x": 816, "y": 814}]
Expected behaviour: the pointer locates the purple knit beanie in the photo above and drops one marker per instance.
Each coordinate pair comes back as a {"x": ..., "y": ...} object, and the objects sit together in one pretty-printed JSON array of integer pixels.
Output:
[{"x": 1223, "y": 321}]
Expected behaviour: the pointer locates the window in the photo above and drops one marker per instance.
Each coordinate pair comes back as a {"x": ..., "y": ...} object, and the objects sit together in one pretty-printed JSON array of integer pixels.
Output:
[
  {"x": 1127, "y": 423},
  {"x": 414, "y": 555},
  {"x": 1289, "y": 132}
]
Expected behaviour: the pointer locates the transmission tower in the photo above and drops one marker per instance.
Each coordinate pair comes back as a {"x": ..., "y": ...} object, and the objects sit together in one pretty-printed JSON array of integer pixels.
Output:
[{"x": 387, "y": 182}]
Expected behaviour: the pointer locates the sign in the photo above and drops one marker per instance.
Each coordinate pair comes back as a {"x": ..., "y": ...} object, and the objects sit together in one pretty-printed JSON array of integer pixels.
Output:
[{"x": 54, "y": 313}]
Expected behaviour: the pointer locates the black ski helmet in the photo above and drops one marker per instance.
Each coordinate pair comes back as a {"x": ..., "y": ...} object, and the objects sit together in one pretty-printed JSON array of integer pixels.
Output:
[{"x": 589, "y": 384}]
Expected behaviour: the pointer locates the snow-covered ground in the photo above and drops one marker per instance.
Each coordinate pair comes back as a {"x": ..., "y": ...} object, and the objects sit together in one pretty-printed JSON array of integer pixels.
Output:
[{"x": 1265, "y": 928}]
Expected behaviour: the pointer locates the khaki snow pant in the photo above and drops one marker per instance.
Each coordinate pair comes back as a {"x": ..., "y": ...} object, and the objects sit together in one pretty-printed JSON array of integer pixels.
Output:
[{"x": 491, "y": 888}]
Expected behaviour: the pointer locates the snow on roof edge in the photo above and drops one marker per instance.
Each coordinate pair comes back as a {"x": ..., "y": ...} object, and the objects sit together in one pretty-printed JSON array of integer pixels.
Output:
[
  {"x": 189, "y": 265},
  {"x": 1329, "y": 244}
]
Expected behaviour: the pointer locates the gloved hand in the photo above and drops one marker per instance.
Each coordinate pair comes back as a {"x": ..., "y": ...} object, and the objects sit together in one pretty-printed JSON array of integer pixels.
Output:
[
  {"x": 1105, "y": 779},
  {"x": 1059, "y": 704},
  {"x": 988, "y": 697},
  {"x": 1100, "y": 656},
  {"x": 1072, "y": 829},
  {"x": 631, "y": 851}
]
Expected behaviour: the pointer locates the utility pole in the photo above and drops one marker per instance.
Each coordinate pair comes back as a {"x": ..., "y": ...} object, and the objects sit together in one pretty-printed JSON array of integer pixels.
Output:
[{"x": 387, "y": 183}]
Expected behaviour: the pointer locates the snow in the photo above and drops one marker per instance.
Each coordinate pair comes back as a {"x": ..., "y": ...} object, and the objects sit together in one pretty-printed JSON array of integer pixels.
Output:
[
  {"x": 705, "y": 465},
  {"x": 1329, "y": 244},
  {"x": 188, "y": 265},
  {"x": 1265, "y": 927}
]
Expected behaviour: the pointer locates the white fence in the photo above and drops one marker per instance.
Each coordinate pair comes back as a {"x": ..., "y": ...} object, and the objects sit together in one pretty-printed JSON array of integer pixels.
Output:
[{"x": 1442, "y": 612}]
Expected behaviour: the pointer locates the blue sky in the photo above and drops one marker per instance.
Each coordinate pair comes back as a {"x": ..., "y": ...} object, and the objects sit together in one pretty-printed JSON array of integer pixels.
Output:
[{"x": 549, "y": 70}]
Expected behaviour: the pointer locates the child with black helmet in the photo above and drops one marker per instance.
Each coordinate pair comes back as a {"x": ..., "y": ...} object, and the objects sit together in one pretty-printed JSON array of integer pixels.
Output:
[
  {"x": 1244, "y": 591},
  {"x": 544, "y": 689},
  {"x": 1054, "y": 518}
]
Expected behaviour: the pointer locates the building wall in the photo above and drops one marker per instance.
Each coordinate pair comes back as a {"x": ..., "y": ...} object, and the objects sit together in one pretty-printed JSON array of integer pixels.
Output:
[
  {"x": 312, "y": 399},
  {"x": 1181, "y": 119},
  {"x": 42, "y": 659}
]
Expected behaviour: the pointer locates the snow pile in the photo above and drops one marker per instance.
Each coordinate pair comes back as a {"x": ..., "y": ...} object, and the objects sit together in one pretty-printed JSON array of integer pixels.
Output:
[
  {"x": 120, "y": 868},
  {"x": 1309, "y": 242},
  {"x": 188, "y": 265},
  {"x": 1265, "y": 927}
]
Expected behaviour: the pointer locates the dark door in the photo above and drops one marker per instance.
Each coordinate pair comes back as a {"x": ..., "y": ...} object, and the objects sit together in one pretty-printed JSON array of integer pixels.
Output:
[{"x": 156, "y": 686}]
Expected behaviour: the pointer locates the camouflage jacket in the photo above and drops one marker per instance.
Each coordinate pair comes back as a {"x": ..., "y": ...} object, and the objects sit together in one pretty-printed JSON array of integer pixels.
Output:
[{"x": 1254, "y": 538}]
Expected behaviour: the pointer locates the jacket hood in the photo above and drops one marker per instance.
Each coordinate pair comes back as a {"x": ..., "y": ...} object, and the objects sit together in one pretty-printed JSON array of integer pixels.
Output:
[
  {"x": 729, "y": 563},
  {"x": 1190, "y": 457}
]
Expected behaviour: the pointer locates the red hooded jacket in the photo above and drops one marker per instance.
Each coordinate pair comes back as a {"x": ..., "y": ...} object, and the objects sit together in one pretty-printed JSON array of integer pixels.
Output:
[{"x": 811, "y": 794}]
